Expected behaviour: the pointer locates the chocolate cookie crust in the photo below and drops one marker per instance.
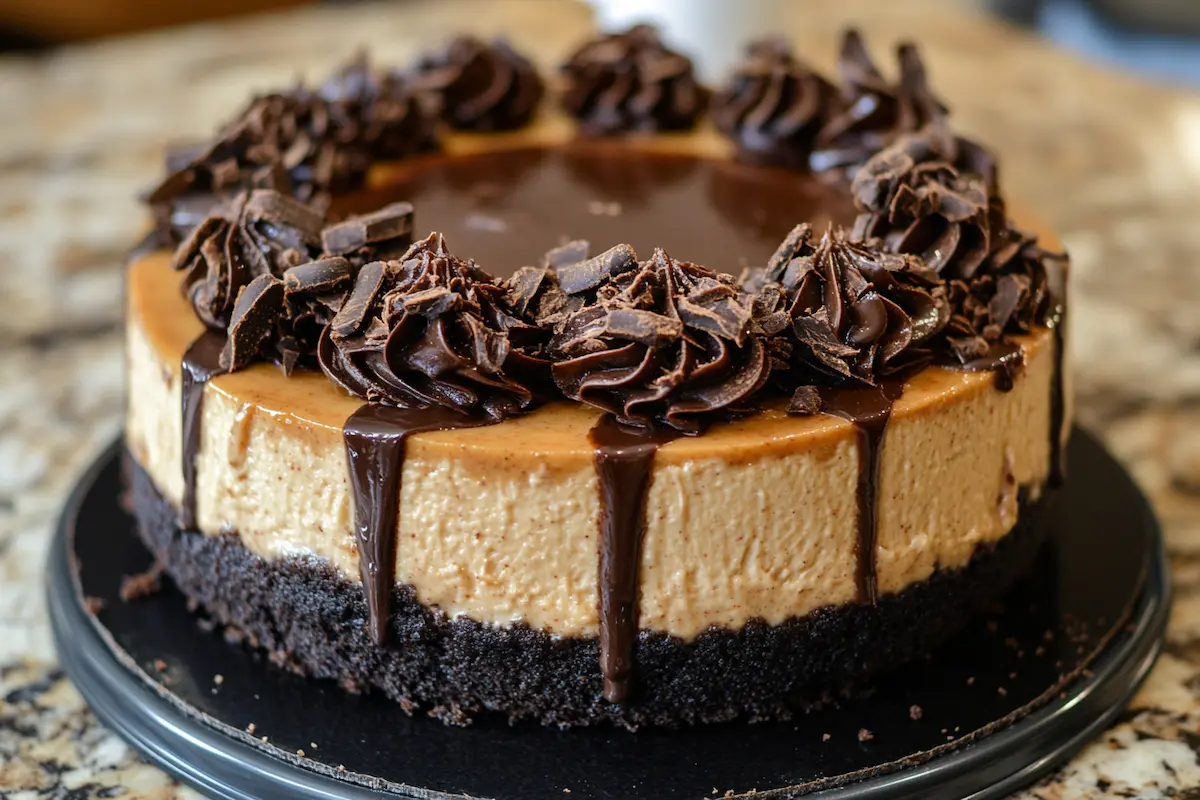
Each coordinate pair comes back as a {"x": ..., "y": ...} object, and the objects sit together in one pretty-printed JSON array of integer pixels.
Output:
[{"x": 314, "y": 621}]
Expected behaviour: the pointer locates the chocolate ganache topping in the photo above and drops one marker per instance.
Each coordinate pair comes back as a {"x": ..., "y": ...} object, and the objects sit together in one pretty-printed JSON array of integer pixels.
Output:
[
  {"x": 841, "y": 311},
  {"x": 998, "y": 280},
  {"x": 913, "y": 199},
  {"x": 631, "y": 81},
  {"x": 428, "y": 330},
  {"x": 872, "y": 111},
  {"x": 773, "y": 106},
  {"x": 380, "y": 113},
  {"x": 302, "y": 143},
  {"x": 658, "y": 342},
  {"x": 484, "y": 86},
  {"x": 261, "y": 233}
]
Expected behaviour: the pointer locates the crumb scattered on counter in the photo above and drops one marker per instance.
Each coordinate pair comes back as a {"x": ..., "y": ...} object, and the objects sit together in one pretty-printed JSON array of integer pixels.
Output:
[{"x": 143, "y": 584}]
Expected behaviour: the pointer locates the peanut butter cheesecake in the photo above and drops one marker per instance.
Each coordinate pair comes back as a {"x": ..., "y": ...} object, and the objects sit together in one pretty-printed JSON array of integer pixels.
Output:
[{"x": 461, "y": 400}]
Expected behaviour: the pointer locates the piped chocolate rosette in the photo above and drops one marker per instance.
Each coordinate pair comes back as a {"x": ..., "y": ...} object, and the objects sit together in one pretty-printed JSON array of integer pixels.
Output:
[{"x": 932, "y": 271}]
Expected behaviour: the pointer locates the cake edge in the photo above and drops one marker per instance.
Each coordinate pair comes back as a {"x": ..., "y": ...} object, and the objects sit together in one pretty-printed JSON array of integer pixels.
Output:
[{"x": 312, "y": 621}]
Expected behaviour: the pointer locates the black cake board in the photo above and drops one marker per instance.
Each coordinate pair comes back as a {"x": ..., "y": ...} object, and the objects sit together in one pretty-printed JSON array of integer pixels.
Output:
[{"x": 1025, "y": 686}]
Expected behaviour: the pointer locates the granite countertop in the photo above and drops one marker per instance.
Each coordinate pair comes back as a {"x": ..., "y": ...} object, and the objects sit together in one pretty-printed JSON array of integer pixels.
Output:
[{"x": 1112, "y": 163}]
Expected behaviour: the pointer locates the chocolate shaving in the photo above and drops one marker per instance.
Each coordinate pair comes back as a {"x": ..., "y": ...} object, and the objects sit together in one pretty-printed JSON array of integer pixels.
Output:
[
  {"x": 915, "y": 201},
  {"x": 631, "y": 81},
  {"x": 260, "y": 233},
  {"x": 774, "y": 105},
  {"x": 318, "y": 277},
  {"x": 590, "y": 273},
  {"x": 667, "y": 342},
  {"x": 259, "y": 305},
  {"x": 304, "y": 144},
  {"x": 483, "y": 86}
]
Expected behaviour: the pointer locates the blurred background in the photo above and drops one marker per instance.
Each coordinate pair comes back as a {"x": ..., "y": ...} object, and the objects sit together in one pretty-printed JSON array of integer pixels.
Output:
[{"x": 1158, "y": 38}]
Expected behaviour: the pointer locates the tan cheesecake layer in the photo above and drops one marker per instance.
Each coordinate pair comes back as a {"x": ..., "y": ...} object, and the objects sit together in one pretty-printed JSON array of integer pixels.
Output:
[{"x": 754, "y": 519}]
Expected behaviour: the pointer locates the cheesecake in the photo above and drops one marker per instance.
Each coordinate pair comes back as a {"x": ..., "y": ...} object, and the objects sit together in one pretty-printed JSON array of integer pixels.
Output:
[{"x": 621, "y": 400}]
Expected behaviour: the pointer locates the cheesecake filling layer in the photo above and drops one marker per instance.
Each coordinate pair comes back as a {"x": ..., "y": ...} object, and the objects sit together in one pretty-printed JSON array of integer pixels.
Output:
[{"x": 756, "y": 519}]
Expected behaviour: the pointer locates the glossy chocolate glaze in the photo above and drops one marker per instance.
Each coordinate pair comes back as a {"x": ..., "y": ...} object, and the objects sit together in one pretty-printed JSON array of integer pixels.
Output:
[
  {"x": 624, "y": 459},
  {"x": 200, "y": 364},
  {"x": 1004, "y": 359},
  {"x": 375, "y": 437},
  {"x": 869, "y": 409},
  {"x": 506, "y": 208}
]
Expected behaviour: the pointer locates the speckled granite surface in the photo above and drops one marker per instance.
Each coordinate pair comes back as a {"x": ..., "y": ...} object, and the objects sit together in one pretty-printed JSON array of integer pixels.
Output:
[{"x": 1112, "y": 163}]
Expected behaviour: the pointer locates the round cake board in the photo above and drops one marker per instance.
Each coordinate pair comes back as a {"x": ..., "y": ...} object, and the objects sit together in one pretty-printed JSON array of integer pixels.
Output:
[{"x": 1029, "y": 683}]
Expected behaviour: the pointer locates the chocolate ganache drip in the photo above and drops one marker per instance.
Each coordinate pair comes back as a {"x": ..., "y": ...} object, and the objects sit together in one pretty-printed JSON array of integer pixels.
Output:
[
  {"x": 484, "y": 86},
  {"x": 869, "y": 409},
  {"x": 230, "y": 263},
  {"x": 631, "y": 81},
  {"x": 663, "y": 341},
  {"x": 773, "y": 105},
  {"x": 841, "y": 311},
  {"x": 424, "y": 340},
  {"x": 376, "y": 440},
  {"x": 427, "y": 330},
  {"x": 624, "y": 460}
]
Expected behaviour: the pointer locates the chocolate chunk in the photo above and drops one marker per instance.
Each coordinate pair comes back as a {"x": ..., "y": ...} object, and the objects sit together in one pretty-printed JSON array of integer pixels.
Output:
[
  {"x": 259, "y": 233},
  {"x": 566, "y": 254},
  {"x": 367, "y": 286},
  {"x": 806, "y": 401},
  {"x": 524, "y": 286},
  {"x": 585, "y": 275},
  {"x": 318, "y": 277},
  {"x": 258, "y": 307},
  {"x": 390, "y": 223},
  {"x": 794, "y": 244}
]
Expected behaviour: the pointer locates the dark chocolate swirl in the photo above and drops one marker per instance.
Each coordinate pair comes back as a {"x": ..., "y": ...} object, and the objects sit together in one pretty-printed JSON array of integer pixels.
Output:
[
  {"x": 428, "y": 330},
  {"x": 915, "y": 201},
  {"x": 631, "y": 81},
  {"x": 260, "y": 233},
  {"x": 662, "y": 342},
  {"x": 309, "y": 145},
  {"x": 1017, "y": 288},
  {"x": 848, "y": 312},
  {"x": 872, "y": 111},
  {"x": 483, "y": 86},
  {"x": 773, "y": 105},
  {"x": 380, "y": 112}
]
